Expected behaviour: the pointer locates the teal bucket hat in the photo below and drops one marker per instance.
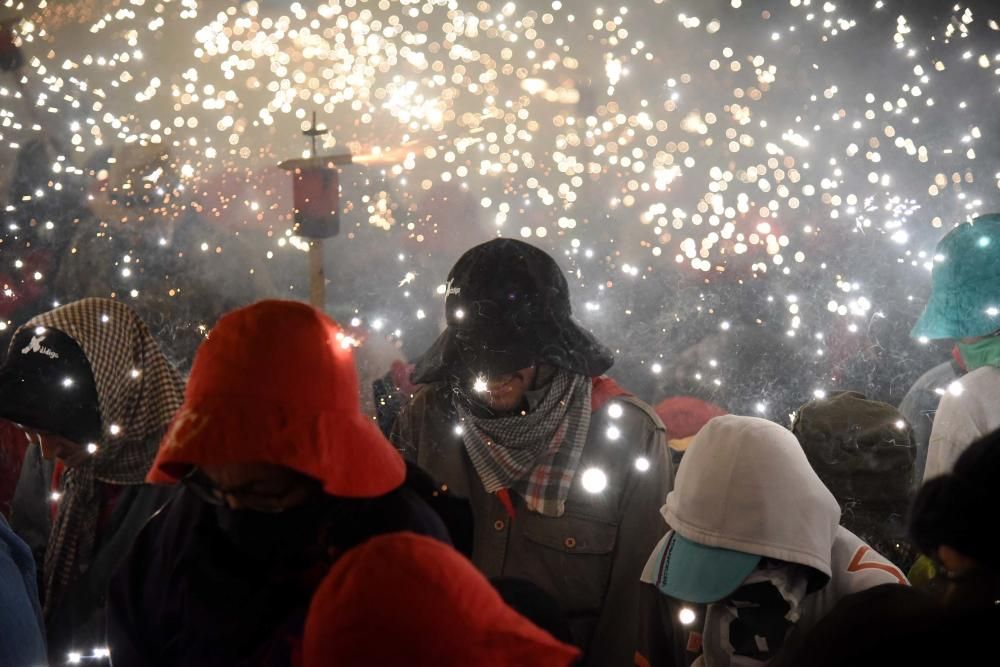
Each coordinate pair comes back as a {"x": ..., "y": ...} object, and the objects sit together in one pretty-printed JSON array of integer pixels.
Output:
[{"x": 965, "y": 283}]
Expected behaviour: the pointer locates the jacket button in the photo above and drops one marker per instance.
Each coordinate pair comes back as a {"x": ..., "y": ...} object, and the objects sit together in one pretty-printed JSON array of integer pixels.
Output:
[
  {"x": 570, "y": 543},
  {"x": 498, "y": 524}
]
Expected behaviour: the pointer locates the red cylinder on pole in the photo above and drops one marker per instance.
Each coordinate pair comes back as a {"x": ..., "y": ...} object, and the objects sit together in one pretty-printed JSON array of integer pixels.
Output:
[
  {"x": 316, "y": 195},
  {"x": 317, "y": 202}
]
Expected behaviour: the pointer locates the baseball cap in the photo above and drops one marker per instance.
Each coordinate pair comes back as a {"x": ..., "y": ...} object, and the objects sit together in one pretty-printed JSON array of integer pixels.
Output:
[
  {"x": 46, "y": 384},
  {"x": 701, "y": 574}
]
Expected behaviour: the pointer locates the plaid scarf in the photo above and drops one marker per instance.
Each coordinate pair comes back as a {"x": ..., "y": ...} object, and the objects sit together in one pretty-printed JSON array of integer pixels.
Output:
[
  {"x": 138, "y": 392},
  {"x": 536, "y": 454}
]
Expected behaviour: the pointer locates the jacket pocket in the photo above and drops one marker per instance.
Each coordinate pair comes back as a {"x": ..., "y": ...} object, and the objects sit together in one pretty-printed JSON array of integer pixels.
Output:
[
  {"x": 571, "y": 556},
  {"x": 571, "y": 534}
]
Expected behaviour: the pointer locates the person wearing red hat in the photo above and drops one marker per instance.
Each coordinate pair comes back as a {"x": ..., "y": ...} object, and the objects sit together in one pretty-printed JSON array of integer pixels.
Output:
[
  {"x": 405, "y": 599},
  {"x": 281, "y": 474},
  {"x": 564, "y": 471}
]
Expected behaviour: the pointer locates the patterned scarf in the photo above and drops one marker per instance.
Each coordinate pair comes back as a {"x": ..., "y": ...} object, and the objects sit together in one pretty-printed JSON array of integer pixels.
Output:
[
  {"x": 138, "y": 392},
  {"x": 536, "y": 454}
]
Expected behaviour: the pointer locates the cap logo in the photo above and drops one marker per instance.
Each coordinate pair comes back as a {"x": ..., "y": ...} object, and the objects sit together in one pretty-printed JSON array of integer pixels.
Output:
[
  {"x": 36, "y": 346},
  {"x": 449, "y": 290}
]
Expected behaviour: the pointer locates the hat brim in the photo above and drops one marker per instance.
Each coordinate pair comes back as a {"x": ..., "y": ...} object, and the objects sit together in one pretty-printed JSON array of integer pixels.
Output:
[
  {"x": 344, "y": 450},
  {"x": 24, "y": 403},
  {"x": 700, "y": 574},
  {"x": 15, "y": 403},
  {"x": 496, "y": 351}
]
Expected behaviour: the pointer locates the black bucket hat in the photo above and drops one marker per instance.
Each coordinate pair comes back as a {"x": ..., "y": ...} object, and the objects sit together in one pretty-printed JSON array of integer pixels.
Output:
[
  {"x": 507, "y": 307},
  {"x": 46, "y": 384}
]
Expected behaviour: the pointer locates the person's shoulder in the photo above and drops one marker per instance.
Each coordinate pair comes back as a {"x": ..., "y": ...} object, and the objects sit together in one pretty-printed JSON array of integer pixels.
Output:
[
  {"x": 986, "y": 378},
  {"x": 171, "y": 516},
  {"x": 967, "y": 393},
  {"x": 432, "y": 395},
  {"x": 429, "y": 404},
  {"x": 856, "y": 566},
  {"x": 627, "y": 418},
  {"x": 933, "y": 377},
  {"x": 933, "y": 380}
]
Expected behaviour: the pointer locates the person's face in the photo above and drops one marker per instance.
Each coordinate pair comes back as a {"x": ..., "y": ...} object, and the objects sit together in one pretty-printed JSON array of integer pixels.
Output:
[
  {"x": 255, "y": 486},
  {"x": 968, "y": 582},
  {"x": 504, "y": 393},
  {"x": 954, "y": 560},
  {"x": 55, "y": 447}
]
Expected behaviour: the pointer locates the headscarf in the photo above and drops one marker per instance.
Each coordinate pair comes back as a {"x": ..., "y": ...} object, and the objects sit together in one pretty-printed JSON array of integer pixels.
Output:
[
  {"x": 534, "y": 453},
  {"x": 138, "y": 392}
]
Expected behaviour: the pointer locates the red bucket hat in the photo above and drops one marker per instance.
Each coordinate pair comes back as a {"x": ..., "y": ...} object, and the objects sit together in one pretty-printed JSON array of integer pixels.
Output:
[
  {"x": 275, "y": 382},
  {"x": 406, "y": 599}
]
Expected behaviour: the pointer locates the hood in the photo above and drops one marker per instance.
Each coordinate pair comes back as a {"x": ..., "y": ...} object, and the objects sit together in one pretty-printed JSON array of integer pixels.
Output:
[
  {"x": 406, "y": 599},
  {"x": 746, "y": 485},
  {"x": 98, "y": 346},
  {"x": 275, "y": 382}
]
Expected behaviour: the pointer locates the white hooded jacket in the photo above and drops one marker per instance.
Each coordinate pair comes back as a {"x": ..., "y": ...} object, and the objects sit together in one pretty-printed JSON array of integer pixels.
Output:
[{"x": 745, "y": 484}]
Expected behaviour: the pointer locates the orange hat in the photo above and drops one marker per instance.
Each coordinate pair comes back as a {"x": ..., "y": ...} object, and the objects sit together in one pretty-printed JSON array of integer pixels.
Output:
[
  {"x": 406, "y": 599},
  {"x": 275, "y": 382}
]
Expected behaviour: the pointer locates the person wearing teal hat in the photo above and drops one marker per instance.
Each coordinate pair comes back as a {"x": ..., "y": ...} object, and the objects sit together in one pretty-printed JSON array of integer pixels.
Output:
[
  {"x": 964, "y": 306},
  {"x": 756, "y": 555}
]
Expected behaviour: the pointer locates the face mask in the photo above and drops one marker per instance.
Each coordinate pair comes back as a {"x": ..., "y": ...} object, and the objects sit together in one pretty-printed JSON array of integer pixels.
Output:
[
  {"x": 290, "y": 537},
  {"x": 985, "y": 352},
  {"x": 750, "y": 626}
]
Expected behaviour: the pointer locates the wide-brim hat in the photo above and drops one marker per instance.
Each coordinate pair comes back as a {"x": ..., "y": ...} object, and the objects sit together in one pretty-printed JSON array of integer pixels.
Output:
[
  {"x": 275, "y": 382},
  {"x": 965, "y": 283},
  {"x": 507, "y": 307}
]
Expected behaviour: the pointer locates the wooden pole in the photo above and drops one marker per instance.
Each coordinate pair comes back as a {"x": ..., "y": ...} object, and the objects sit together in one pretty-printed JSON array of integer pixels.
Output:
[{"x": 317, "y": 275}]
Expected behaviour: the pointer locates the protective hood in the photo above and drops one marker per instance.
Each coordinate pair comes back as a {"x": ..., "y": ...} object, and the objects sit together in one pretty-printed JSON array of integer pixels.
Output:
[
  {"x": 275, "y": 382},
  {"x": 746, "y": 485},
  {"x": 406, "y": 599}
]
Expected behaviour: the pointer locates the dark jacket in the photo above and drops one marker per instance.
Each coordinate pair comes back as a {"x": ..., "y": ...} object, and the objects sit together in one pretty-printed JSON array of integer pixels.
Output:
[
  {"x": 589, "y": 560},
  {"x": 896, "y": 625},
  {"x": 185, "y": 596},
  {"x": 79, "y": 623}
]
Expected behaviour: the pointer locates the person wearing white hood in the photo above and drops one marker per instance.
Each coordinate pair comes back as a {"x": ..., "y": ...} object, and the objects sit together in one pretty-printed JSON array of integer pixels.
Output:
[{"x": 755, "y": 555}]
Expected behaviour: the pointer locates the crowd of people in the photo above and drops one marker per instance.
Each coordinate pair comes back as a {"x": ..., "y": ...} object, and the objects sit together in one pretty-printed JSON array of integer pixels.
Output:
[{"x": 510, "y": 505}]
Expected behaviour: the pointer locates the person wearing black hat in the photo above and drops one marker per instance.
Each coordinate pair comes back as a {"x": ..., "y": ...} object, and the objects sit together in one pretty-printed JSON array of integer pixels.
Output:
[
  {"x": 90, "y": 387},
  {"x": 564, "y": 471}
]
